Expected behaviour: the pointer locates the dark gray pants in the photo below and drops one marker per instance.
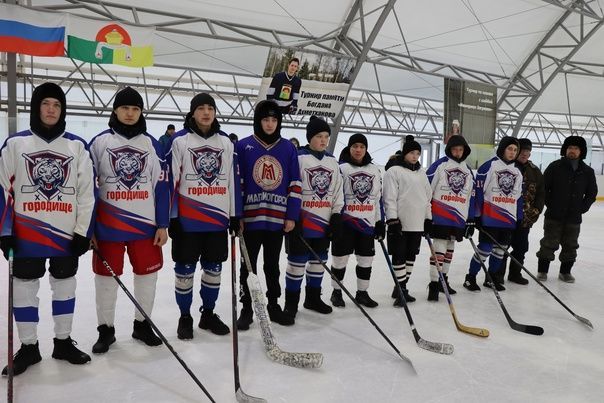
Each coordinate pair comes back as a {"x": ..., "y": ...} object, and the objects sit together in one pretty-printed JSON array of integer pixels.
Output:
[{"x": 556, "y": 234}]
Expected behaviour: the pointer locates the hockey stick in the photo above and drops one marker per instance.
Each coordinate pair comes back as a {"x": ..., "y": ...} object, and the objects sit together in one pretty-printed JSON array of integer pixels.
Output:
[
  {"x": 10, "y": 369},
  {"x": 476, "y": 331},
  {"x": 435, "y": 347},
  {"x": 240, "y": 395},
  {"x": 530, "y": 329},
  {"x": 298, "y": 360},
  {"x": 317, "y": 257},
  {"x": 148, "y": 319},
  {"x": 583, "y": 320}
]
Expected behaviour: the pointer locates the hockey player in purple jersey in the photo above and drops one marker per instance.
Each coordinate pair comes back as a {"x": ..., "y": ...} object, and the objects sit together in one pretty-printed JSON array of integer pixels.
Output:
[
  {"x": 133, "y": 213},
  {"x": 453, "y": 188},
  {"x": 270, "y": 177},
  {"x": 498, "y": 208},
  {"x": 407, "y": 194},
  {"x": 363, "y": 219},
  {"x": 321, "y": 220},
  {"x": 47, "y": 197},
  {"x": 206, "y": 202}
]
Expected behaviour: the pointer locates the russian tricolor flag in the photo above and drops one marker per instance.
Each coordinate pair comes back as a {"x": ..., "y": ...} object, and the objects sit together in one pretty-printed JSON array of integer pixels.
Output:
[{"x": 31, "y": 32}]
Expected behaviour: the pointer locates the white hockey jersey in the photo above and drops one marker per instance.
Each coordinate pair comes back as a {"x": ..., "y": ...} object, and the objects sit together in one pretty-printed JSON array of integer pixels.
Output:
[
  {"x": 48, "y": 193},
  {"x": 134, "y": 186},
  {"x": 362, "y": 196},
  {"x": 322, "y": 193}
]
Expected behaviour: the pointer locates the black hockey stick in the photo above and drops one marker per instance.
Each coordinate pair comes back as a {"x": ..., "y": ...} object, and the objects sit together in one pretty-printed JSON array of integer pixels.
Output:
[
  {"x": 10, "y": 369},
  {"x": 476, "y": 331},
  {"x": 529, "y": 329},
  {"x": 159, "y": 333},
  {"x": 298, "y": 360},
  {"x": 583, "y": 320},
  {"x": 240, "y": 395},
  {"x": 435, "y": 347},
  {"x": 317, "y": 257}
]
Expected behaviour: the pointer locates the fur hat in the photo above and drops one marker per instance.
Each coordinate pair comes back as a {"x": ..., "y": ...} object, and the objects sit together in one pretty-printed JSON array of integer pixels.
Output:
[{"x": 577, "y": 141}]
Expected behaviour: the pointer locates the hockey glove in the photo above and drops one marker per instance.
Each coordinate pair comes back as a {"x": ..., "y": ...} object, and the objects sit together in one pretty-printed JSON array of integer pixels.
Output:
[
  {"x": 470, "y": 225},
  {"x": 394, "y": 226},
  {"x": 8, "y": 242},
  {"x": 80, "y": 245},
  {"x": 427, "y": 226},
  {"x": 234, "y": 226},
  {"x": 175, "y": 228},
  {"x": 335, "y": 227},
  {"x": 379, "y": 230}
]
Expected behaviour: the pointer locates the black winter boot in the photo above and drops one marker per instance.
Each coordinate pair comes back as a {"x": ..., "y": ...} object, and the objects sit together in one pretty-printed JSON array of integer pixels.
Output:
[
  {"x": 408, "y": 297},
  {"x": 292, "y": 299},
  {"x": 28, "y": 354},
  {"x": 246, "y": 318},
  {"x": 515, "y": 274},
  {"x": 65, "y": 349},
  {"x": 470, "y": 283},
  {"x": 336, "y": 298},
  {"x": 142, "y": 331},
  {"x": 433, "y": 287},
  {"x": 277, "y": 315},
  {"x": 364, "y": 299},
  {"x": 106, "y": 338},
  {"x": 185, "y": 327},
  {"x": 440, "y": 287},
  {"x": 210, "y": 321},
  {"x": 313, "y": 301}
]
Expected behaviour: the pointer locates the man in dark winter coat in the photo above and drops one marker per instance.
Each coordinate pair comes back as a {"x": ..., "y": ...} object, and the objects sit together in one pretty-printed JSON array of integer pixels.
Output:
[
  {"x": 533, "y": 194},
  {"x": 570, "y": 190}
]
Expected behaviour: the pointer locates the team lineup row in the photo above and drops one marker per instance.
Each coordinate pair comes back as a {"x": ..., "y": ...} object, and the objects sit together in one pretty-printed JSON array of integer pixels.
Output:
[{"x": 126, "y": 192}]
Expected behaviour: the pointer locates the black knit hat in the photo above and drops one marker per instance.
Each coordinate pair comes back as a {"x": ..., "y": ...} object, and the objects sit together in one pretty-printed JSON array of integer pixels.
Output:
[
  {"x": 410, "y": 145},
  {"x": 504, "y": 143},
  {"x": 316, "y": 125},
  {"x": 128, "y": 96},
  {"x": 47, "y": 90},
  {"x": 525, "y": 144},
  {"x": 458, "y": 141},
  {"x": 577, "y": 141},
  {"x": 202, "y": 99},
  {"x": 265, "y": 109},
  {"x": 357, "y": 138}
]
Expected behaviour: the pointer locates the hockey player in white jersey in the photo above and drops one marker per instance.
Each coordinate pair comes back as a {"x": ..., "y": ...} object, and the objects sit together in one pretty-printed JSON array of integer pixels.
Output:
[
  {"x": 47, "y": 199},
  {"x": 362, "y": 217},
  {"x": 133, "y": 214},
  {"x": 206, "y": 202},
  {"x": 320, "y": 219},
  {"x": 453, "y": 187}
]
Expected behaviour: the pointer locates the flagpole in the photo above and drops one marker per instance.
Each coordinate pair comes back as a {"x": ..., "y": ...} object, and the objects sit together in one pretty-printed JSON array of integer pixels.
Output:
[{"x": 11, "y": 59}]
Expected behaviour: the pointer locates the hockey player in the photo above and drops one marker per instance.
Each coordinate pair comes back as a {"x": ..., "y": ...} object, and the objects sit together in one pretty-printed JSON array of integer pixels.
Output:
[
  {"x": 206, "y": 202},
  {"x": 498, "y": 208},
  {"x": 285, "y": 86},
  {"x": 453, "y": 187},
  {"x": 362, "y": 218},
  {"x": 133, "y": 214},
  {"x": 271, "y": 202},
  {"x": 407, "y": 194},
  {"x": 321, "y": 220},
  {"x": 47, "y": 200}
]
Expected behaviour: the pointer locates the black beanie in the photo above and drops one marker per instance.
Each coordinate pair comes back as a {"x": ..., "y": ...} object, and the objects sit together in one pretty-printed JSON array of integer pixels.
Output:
[
  {"x": 525, "y": 144},
  {"x": 202, "y": 99},
  {"x": 265, "y": 109},
  {"x": 316, "y": 125},
  {"x": 410, "y": 145},
  {"x": 504, "y": 143},
  {"x": 128, "y": 96},
  {"x": 357, "y": 138},
  {"x": 577, "y": 141},
  {"x": 47, "y": 90}
]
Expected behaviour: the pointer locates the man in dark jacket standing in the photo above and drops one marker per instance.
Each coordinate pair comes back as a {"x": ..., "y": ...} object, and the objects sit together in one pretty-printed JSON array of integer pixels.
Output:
[
  {"x": 570, "y": 190},
  {"x": 533, "y": 194}
]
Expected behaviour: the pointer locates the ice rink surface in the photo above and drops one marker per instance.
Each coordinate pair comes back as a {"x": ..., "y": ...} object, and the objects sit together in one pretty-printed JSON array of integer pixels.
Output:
[{"x": 566, "y": 364}]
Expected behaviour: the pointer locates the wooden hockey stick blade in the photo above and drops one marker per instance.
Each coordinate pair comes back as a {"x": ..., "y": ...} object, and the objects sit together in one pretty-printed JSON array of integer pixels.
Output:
[{"x": 475, "y": 331}]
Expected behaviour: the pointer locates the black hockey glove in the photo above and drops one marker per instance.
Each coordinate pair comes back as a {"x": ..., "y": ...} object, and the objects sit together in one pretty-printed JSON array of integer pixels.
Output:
[
  {"x": 470, "y": 225},
  {"x": 394, "y": 226},
  {"x": 427, "y": 226},
  {"x": 335, "y": 227},
  {"x": 8, "y": 242},
  {"x": 175, "y": 228},
  {"x": 234, "y": 226},
  {"x": 379, "y": 230},
  {"x": 80, "y": 245}
]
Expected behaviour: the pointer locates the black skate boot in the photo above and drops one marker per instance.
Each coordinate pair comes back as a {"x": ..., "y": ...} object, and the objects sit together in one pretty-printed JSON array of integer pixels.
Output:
[
  {"x": 292, "y": 299},
  {"x": 470, "y": 283},
  {"x": 515, "y": 274},
  {"x": 246, "y": 318},
  {"x": 364, "y": 299},
  {"x": 440, "y": 287},
  {"x": 28, "y": 354},
  {"x": 496, "y": 283},
  {"x": 408, "y": 297},
  {"x": 106, "y": 338},
  {"x": 143, "y": 332},
  {"x": 65, "y": 349},
  {"x": 210, "y": 321},
  {"x": 185, "y": 327},
  {"x": 433, "y": 290},
  {"x": 277, "y": 315},
  {"x": 313, "y": 301},
  {"x": 336, "y": 298}
]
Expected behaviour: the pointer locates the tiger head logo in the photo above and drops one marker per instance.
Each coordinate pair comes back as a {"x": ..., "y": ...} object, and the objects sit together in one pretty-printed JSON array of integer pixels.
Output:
[
  {"x": 48, "y": 171},
  {"x": 320, "y": 180},
  {"x": 456, "y": 178},
  {"x": 128, "y": 164},
  {"x": 207, "y": 162},
  {"x": 506, "y": 181},
  {"x": 362, "y": 185}
]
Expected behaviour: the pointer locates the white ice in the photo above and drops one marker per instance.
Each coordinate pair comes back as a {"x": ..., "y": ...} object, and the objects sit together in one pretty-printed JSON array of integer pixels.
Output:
[{"x": 566, "y": 364}]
